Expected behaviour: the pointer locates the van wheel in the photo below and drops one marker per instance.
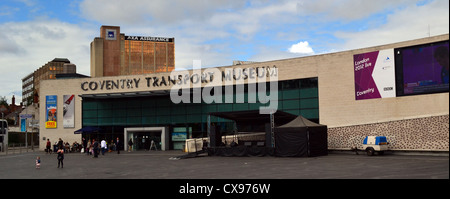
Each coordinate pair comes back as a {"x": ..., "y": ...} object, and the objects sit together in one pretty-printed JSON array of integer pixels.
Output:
[{"x": 370, "y": 151}]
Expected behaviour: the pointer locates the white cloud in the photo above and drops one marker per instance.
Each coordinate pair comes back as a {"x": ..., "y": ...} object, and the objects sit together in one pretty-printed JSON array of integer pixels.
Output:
[
  {"x": 194, "y": 23},
  {"x": 207, "y": 53},
  {"x": 347, "y": 9},
  {"x": 26, "y": 46},
  {"x": 6, "y": 11},
  {"x": 265, "y": 53},
  {"x": 220, "y": 15},
  {"x": 301, "y": 48},
  {"x": 28, "y": 2},
  {"x": 409, "y": 23},
  {"x": 8, "y": 46},
  {"x": 156, "y": 11}
]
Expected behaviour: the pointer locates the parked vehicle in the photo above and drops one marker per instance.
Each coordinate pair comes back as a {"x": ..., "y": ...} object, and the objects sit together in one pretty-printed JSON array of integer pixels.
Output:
[{"x": 372, "y": 144}]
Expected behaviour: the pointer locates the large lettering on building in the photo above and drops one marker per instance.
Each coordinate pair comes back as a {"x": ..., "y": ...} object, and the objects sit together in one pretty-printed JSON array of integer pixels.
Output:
[{"x": 181, "y": 77}]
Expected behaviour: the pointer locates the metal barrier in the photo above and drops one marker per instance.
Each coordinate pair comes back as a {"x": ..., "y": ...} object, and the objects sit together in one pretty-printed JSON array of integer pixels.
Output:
[{"x": 16, "y": 148}]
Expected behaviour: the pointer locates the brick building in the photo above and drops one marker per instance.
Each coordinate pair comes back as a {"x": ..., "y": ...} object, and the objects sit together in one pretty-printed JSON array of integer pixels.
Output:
[
  {"x": 31, "y": 82},
  {"x": 115, "y": 54}
]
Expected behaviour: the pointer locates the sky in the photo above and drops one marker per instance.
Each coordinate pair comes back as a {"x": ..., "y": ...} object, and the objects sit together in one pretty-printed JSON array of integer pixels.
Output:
[{"x": 34, "y": 32}]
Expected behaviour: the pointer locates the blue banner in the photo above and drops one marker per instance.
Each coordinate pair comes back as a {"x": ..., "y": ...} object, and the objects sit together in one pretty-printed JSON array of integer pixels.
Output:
[
  {"x": 50, "y": 116},
  {"x": 23, "y": 125}
]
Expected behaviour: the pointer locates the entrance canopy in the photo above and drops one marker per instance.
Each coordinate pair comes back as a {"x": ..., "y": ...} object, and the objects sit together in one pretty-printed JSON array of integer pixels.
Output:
[
  {"x": 88, "y": 129},
  {"x": 127, "y": 94}
]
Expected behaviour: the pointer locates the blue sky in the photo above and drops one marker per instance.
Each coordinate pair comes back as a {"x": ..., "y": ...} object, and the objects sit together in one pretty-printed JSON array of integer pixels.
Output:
[{"x": 33, "y": 32}]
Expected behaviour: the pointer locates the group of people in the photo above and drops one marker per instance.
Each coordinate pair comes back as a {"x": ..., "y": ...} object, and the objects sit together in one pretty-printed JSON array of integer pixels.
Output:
[
  {"x": 75, "y": 147},
  {"x": 94, "y": 147},
  {"x": 88, "y": 147}
]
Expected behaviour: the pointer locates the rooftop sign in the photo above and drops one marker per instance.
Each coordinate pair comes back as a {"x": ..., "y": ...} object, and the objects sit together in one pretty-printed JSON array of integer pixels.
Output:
[{"x": 145, "y": 38}]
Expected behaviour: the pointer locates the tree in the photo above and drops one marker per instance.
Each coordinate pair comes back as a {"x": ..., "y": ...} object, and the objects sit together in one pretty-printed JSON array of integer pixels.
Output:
[{"x": 4, "y": 101}]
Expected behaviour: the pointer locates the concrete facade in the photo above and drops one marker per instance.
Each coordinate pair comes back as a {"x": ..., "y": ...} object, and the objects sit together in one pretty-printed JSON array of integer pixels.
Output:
[{"x": 347, "y": 118}]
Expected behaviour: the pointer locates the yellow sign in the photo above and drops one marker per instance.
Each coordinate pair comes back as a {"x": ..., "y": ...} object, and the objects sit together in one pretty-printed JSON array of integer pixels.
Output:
[{"x": 50, "y": 125}]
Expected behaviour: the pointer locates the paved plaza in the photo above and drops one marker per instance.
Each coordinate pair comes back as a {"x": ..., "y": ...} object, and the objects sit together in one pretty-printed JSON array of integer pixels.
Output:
[{"x": 160, "y": 165}]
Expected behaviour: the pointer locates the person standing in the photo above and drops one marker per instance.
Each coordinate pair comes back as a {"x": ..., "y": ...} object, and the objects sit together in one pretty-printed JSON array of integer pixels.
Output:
[
  {"x": 130, "y": 145},
  {"x": 38, "y": 162},
  {"x": 60, "y": 143},
  {"x": 95, "y": 148},
  {"x": 85, "y": 146},
  {"x": 89, "y": 147},
  {"x": 152, "y": 145},
  {"x": 60, "y": 157},
  {"x": 204, "y": 145},
  {"x": 47, "y": 147},
  {"x": 103, "y": 146},
  {"x": 118, "y": 145},
  {"x": 112, "y": 146}
]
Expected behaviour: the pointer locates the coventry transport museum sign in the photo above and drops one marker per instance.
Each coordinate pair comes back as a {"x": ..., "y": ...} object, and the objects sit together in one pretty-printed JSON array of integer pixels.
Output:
[{"x": 184, "y": 77}]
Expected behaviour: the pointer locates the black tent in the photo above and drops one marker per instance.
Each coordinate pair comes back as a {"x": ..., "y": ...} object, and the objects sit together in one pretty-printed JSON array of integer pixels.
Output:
[
  {"x": 301, "y": 138},
  {"x": 259, "y": 123}
]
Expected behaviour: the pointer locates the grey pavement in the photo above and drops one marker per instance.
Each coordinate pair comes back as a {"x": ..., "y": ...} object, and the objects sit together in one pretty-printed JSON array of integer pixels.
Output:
[{"x": 159, "y": 165}]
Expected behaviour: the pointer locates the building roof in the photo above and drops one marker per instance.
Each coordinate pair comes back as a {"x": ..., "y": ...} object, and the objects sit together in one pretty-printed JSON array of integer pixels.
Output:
[
  {"x": 65, "y": 60},
  {"x": 70, "y": 76}
]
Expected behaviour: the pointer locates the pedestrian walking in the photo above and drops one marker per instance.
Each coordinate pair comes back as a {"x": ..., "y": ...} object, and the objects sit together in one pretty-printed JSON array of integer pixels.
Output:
[
  {"x": 103, "y": 146},
  {"x": 60, "y": 157}
]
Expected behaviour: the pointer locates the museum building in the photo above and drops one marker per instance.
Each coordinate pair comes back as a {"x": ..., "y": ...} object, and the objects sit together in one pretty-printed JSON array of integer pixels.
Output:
[{"x": 397, "y": 90}]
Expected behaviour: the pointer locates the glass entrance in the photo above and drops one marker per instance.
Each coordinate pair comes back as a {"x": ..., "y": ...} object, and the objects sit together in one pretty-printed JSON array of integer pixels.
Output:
[{"x": 142, "y": 140}]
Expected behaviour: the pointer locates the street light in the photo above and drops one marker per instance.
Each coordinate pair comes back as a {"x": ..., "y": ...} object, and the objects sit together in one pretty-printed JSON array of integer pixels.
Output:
[{"x": 3, "y": 129}]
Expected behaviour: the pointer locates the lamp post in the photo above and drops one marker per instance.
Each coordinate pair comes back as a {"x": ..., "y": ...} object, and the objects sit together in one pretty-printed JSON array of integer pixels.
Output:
[
  {"x": 3, "y": 129},
  {"x": 32, "y": 135}
]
